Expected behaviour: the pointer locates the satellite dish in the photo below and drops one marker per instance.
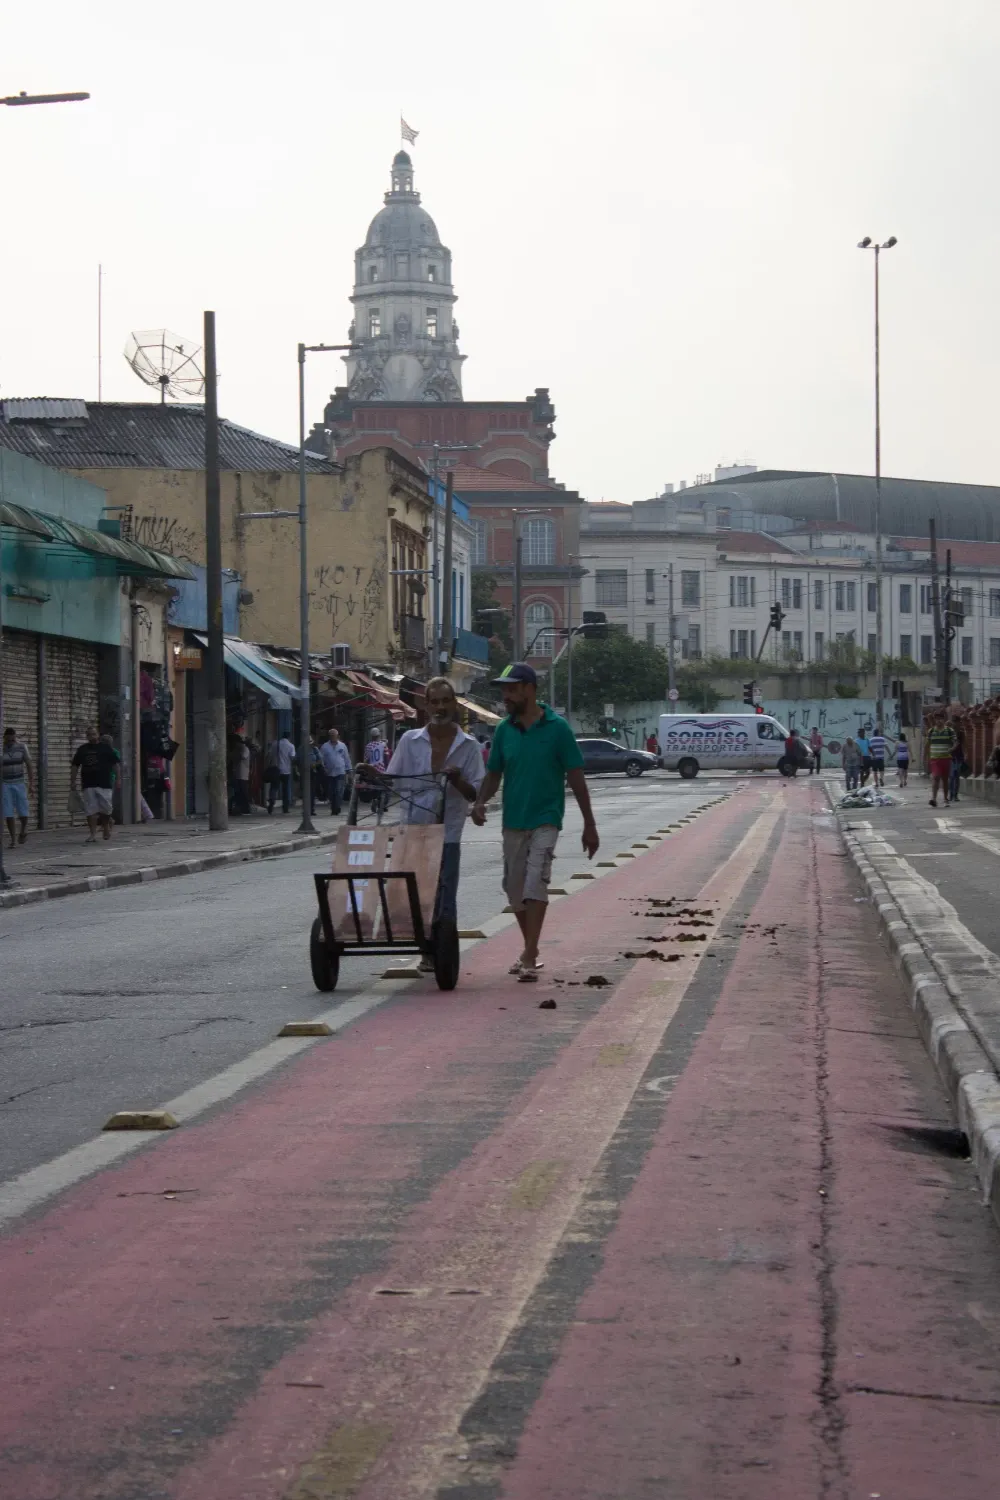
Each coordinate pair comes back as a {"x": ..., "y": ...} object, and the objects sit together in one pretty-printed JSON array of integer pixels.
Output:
[{"x": 167, "y": 360}]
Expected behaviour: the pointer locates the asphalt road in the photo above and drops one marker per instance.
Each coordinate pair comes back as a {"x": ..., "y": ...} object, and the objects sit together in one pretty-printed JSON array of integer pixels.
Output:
[{"x": 124, "y": 999}]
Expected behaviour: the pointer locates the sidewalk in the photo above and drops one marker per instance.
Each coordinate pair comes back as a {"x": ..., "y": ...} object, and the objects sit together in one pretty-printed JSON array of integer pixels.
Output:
[
  {"x": 62, "y": 863},
  {"x": 933, "y": 875}
]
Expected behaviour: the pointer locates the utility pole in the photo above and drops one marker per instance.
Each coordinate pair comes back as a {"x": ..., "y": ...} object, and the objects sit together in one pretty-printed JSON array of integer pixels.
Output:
[
  {"x": 936, "y": 608},
  {"x": 671, "y": 683},
  {"x": 447, "y": 602},
  {"x": 218, "y": 800},
  {"x": 305, "y": 701},
  {"x": 868, "y": 244},
  {"x": 435, "y": 570},
  {"x": 518, "y": 631},
  {"x": 949, "y": 632}
]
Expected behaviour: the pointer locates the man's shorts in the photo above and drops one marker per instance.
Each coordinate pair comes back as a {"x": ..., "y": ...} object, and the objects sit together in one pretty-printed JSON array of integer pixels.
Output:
[
  {"x": 941, "y": 767},
  {"x": 878, "y": 765},
  {"x": 527, "y": 863},
  {"x": 98, "y": 801},
  {"x": 15, "y": 799}
]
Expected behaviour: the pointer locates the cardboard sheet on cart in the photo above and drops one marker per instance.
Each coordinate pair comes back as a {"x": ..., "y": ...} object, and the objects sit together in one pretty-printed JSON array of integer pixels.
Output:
[
  {"x": 358, "y": 851},
  {"x": 417, "y": 847}
]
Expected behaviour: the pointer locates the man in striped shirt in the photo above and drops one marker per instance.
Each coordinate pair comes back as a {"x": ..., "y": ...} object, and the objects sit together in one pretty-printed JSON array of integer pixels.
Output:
[
  {"x": 877, "y": 748},
  {"x": 941, "y": 739}
]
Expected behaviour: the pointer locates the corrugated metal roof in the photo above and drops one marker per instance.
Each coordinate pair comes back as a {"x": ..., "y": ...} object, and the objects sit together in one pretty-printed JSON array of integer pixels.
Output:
[
  {"x": 145, "y": 435},
  {"x": 43, "y": 409}
]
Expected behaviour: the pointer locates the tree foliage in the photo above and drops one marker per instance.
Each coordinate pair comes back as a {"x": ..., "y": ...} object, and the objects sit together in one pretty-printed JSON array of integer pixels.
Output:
[
  {"x": 496, "y": 627},
  {"x": 616, "y": 670}
]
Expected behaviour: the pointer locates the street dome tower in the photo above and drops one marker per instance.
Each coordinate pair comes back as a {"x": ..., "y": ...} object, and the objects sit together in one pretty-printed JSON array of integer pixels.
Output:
[{"x": 403, "y": 301}]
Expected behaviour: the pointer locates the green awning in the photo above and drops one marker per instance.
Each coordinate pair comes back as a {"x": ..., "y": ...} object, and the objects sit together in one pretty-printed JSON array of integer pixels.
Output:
[{"x": 127, "y": 557}]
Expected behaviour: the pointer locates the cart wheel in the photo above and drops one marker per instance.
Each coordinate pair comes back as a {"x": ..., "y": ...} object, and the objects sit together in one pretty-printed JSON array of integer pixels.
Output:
[
  {"x": 446, "y": 956},
  {"x": 325, "y": 965}
]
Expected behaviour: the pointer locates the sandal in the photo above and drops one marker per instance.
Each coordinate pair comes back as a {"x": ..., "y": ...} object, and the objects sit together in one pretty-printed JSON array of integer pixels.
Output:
[
  {"x": 518, "y": 965},
  {"x": 528, "y": 976}
]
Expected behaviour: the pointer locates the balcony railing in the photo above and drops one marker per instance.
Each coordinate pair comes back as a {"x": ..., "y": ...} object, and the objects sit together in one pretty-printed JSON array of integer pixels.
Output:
[
  {"x": 472, "y": 647},
  {"x": 412, "y": 633}
]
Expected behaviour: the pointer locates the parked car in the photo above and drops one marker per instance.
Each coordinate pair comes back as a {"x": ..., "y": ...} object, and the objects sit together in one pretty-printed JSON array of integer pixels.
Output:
[{"x": 608, "y": 755}]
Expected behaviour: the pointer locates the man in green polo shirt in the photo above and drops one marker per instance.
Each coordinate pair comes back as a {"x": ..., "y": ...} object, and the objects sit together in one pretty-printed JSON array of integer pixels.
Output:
[{"x": 534, "y": 754}]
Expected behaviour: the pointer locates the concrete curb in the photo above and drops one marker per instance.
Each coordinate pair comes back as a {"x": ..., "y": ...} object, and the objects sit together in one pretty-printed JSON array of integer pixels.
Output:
[
  {"x": 32, "y": 894},
  {"x": 956, "y": 1007}
]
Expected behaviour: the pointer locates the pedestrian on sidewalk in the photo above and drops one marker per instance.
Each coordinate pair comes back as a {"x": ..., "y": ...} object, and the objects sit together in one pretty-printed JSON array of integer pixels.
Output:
[
  {"x": 280, "y": 758},
  {"x": 865, "y": 751},
  {"x": 850, "y": 759},
  {"x": 534, "y": 754},
  {"x": 902, "y": 759},
  {"x": 877, "y": 748},
  {"x": 336, "y": 768},
  {"x": 18, "y": 784},
  {"x": 652, "y": 744},
  {"x": 816, "y": 746},
  {"x": 941, "y": 739},
  {"x": 377, "y": 756},
  {"x": 95, "y": 766},
  {"x": 440, "y": 747},
  {"x": 241, "y": 779},
  {"x": 957, "y": 762}
]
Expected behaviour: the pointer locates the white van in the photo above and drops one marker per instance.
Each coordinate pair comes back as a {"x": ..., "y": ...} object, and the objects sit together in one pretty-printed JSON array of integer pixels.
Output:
[{"x": 690, "y": 743}]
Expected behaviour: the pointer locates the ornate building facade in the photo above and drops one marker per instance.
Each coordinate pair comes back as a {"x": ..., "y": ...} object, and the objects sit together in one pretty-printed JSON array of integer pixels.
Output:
[{"x": 403, "y": 304}]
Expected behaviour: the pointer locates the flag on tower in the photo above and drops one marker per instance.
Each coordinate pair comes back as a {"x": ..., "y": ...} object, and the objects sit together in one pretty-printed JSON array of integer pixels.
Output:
[{"x": 407, "y": 132}]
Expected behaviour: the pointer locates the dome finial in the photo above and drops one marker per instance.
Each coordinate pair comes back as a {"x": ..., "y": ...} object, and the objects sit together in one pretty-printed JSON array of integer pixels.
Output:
[{"x": 402, "y": 176}]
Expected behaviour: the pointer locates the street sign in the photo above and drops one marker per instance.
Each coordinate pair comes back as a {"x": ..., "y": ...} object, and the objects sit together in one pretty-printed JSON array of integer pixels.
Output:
[
  {"x": 609, "y": 710},
  {"x": 187, "y": 658},
  {"x": 673, "y": 695}
]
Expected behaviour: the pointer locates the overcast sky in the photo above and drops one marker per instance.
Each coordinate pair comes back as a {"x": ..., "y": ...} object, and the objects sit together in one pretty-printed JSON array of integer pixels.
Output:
[{"x": 652, "y": 208}]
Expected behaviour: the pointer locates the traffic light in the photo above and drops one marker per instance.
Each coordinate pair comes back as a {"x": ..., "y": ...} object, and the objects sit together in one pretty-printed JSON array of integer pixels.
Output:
[
  {"x": 777, "y": 615},
  {"x": 749, "y": 689},
  {"x": 595, "y": 625}
]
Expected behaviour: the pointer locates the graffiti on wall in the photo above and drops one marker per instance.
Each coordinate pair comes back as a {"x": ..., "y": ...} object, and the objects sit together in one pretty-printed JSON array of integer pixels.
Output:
[
  {"x": 166, "y": 534},
  {"x": 350, "y": 594}
]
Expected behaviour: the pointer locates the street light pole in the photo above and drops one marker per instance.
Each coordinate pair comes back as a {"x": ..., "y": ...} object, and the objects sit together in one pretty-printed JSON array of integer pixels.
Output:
[
  {"x": 868, "y": 244},
  {"x": 671, "y": 683}
]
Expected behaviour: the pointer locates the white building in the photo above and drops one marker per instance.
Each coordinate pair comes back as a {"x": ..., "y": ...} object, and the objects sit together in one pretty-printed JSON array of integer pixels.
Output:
[{"x": 726, "y": 576}]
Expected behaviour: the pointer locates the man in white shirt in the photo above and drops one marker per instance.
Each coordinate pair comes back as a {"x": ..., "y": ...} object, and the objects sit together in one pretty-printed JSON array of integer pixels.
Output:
[
  {"x": 337, "y": 765},
  {"x": 281, "y": 758},
  {"x": 440, "y": 747}
]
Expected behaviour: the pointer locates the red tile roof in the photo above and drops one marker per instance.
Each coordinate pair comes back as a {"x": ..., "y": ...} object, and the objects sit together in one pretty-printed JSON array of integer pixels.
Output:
[
  {"x": 469, "y": 479},
  {"x": 751, "y": 541},
  {"x": 963, "y": 554}
]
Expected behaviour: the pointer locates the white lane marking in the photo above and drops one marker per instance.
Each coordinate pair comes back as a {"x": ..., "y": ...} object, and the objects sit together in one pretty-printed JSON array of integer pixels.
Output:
[
  {"x": 936, "y": 854},
  {"x": 984, "y": 840}
]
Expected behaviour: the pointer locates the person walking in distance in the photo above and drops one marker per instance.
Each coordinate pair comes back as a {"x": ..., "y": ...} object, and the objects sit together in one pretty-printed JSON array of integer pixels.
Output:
[
  {"x": 377, "y": 756},
  {"x": 865, "y": 751},
  {"x": 18, "y": 785},
  {"x": 816, "y": 746},
  {"x": 441, "y": 747},
  {"x": 902, "y": 759},
  {"x": 957, "y": 762},
  {"x": 877, "y": 748},
  {"x": 281, "y": 758},
  {"x": 534, "y": 754},
  {"x": 241, "y": 778},
  {"x": 941, "y": 739},
  {"x": 336, "y": 768},
  {"x": 96, "y": 765},
  {"x": 850, "y": 759}
]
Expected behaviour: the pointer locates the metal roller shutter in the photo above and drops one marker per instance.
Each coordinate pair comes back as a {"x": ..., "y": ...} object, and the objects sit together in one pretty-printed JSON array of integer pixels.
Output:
[
  {"x": 20, "y": 695},
  {"x": 71, "y": 704}
]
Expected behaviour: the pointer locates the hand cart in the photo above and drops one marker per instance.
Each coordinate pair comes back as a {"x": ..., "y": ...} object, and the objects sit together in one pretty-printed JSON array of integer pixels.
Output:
[{"x": 371, "y": 909}]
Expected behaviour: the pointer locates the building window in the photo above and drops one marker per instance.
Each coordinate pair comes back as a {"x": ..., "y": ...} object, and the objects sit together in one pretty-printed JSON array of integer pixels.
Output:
[
  {"x": 995, "y": 604},
  {"x": 845, "y": 635},
  {"x": 852, "y": 597},
  {"x": 478, "y": 549},
  {"x": 819, "y": 644},
  {"x": 723, "y": 518},
  {"x": 742, "y": 644},
  {"x": 967, "y": 603},
  {"x": 373, "y": 273},
  {"x": 691, "y": 646},
  {"x": 817, "y": 593},
  {"x": 925, "y": 598},
  {"x": 791, "y": 645},
  {"x": 838, "y": 595},
  {"x": 871, "y": 644},
  {"x": 797, "y": 644},
  {"x": 432, "y": 273},
  {"x": 611, "y": 585},
  {"x": 432, "y": 323},
  {"x": 690, "y": 589},
  {"x": 873, "y": 597},
  {"x": 650, "y": 587},
  {"x": 374, "y": 323},
  {"x": 927, "y": 651},
  {"x": 906, "y": 598},
  {"x": 994, "y": 652},
  {"x": 906, "y": 646},
  {"x": 539, "y": 617},
  {"x": 402, "y": 267},
  {"x": 742, "y": 591},
  {"x": 791, "y": 593},
  {"x": 650, "y": 633},
  {"x": 538, "y": 542},
  {"x": 967, "y": 651}
]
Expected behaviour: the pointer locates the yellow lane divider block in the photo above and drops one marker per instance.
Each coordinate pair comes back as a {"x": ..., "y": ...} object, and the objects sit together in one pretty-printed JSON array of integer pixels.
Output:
[
  {"x": 142, "y": 1119},
  {"x": 306, "y": 1028}
]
